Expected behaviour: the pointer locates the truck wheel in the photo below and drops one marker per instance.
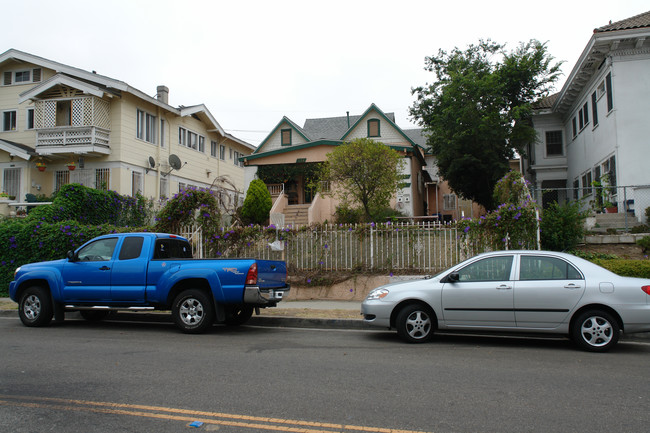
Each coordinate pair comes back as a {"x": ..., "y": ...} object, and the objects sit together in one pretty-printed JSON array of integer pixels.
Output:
[
  {"x": 238, "y": 314},
  {"x": 35, "y": 307},
  {"x": 193, "y": 312}
]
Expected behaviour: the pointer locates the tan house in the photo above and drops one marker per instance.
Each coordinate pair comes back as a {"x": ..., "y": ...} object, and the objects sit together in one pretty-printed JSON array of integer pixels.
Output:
[
  {"x": 289, "y": 153},
  {"x": 65, "y": 125}
]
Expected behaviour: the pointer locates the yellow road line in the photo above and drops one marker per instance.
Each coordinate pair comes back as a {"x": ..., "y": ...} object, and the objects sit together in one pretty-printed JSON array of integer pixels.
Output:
[{"x": 159, "y": 412}]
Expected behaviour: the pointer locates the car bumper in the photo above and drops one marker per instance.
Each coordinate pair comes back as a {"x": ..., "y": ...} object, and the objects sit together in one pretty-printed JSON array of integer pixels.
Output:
[
  {"x": 267, "y": 297},
  {"x": 377, "y": 313}
]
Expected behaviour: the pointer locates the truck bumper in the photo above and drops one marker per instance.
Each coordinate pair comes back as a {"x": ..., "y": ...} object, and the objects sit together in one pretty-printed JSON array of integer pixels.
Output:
[{"x": 256, "y": 296}]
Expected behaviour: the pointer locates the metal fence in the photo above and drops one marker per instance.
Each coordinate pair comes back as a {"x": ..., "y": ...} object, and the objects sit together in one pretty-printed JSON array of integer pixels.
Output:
[
  {"x": 629, "y": 202},
  {"x": 400, "y": 247}
]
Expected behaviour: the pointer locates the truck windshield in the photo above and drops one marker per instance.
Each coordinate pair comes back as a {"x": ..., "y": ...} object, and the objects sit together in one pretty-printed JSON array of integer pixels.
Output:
[{"x": 172, "y": 249}]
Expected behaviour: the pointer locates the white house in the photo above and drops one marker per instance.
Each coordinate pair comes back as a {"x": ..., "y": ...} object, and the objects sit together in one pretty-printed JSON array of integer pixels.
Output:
[{"x": 598, "y": 123}]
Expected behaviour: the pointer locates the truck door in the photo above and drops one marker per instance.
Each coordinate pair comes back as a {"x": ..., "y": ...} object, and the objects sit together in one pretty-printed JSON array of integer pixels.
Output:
[
  {"x": 89, "y": 278},
  {"x": 129, "y": 276}
]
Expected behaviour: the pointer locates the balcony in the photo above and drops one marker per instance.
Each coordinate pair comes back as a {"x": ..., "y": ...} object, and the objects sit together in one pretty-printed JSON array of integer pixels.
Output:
[{"x": 90, "y": 140}]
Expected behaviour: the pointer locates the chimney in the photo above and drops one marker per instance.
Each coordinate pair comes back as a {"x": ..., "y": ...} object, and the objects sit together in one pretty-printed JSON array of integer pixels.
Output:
[
  {"x": 162, "y": 94},
  {"x": 348, "y": 113}
]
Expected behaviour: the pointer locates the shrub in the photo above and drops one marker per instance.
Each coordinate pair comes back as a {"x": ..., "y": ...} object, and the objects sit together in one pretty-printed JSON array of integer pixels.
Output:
[
  {"x": 644, "y": 243},
  {"x": 347, "y": 215},
  {"x": 562, "y": 226},
  {"x": 257, "y": 204},
  {"x": 626, "y": 268}
]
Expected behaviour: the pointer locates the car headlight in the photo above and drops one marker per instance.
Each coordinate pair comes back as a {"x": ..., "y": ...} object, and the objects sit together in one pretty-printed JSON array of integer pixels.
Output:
[
  {"x": 16, "y": 272},
  {"x": 377, "y": 294}
]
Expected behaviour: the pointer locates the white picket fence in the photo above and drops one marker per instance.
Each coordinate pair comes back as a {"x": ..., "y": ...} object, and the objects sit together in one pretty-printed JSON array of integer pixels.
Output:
[{"x": 413, "y": 247}]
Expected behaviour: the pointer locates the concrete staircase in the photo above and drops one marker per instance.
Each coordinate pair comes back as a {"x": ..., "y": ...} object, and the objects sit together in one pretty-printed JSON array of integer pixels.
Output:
[
  {"x": 619, "y": 220},
  {"x": 296, "y": 214}
]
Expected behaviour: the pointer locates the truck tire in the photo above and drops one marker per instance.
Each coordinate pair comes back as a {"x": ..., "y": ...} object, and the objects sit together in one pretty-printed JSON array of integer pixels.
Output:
[
  {"x": 193, "y": 311},
  {"x": 238, "y": 314},
  {"x": 35, "y": 307}
]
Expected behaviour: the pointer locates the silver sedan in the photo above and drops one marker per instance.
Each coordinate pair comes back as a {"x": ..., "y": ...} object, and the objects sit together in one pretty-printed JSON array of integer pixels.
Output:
[{"x": 516, "y": 291}]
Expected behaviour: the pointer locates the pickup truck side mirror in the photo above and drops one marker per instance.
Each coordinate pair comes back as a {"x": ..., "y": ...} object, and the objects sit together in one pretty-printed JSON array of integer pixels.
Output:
[{"x": 72, "y": 256}]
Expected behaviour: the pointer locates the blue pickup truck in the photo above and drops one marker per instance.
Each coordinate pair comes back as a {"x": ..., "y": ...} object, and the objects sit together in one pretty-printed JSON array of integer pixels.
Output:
[{"x": 147, "y": 271}]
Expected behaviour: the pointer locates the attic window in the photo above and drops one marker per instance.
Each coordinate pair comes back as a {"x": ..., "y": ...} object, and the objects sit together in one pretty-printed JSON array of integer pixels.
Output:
[
  {"x": 22, "y": 76},
  {"x": 373, "y": 128},
  {"x": 301, "y": 160},
  {"x": 286, "y": 137}
]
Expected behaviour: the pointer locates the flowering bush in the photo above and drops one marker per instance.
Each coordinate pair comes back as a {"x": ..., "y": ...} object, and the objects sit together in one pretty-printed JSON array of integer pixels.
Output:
[{"x": 513, "y": 225}]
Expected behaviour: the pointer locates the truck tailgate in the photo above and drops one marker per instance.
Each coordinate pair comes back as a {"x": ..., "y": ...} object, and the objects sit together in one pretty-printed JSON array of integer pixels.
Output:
[{"x": 271, "y": 274}]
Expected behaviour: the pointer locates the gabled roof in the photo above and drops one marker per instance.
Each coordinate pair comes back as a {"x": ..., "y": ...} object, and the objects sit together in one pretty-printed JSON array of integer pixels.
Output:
[
  {"x": 373, "y": 107},
  {"x": 285, "y": 121},
  {"x": 202, "y": 112},
  {"x": 63, "y": 80},
  {"x": 17, "y": 149}
]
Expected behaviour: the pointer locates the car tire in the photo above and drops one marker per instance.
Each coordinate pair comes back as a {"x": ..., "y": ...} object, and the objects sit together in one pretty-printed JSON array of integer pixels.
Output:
[
  {"x": 94, "y": 315},
  {"x": 193, "y": 311},
  {"x": 595, "y": 331},
  {"x": 35, "y": 307},
  {"x": 415, "y": 323},
  {"x": 238, "y": 314}
]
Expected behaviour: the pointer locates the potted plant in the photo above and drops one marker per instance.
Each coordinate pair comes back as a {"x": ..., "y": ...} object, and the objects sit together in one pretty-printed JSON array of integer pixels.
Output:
[
  {"x": 40, "y": 166},
  {"x": 4, "y": 196},
  {"x": 71, "y": 165},
  {"x": 610, "y": 207}
]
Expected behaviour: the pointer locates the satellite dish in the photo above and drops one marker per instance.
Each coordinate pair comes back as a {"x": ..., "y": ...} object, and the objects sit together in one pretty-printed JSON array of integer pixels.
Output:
[
  {"x": 175, "y": 162},
  {"x": 152, "y": 162}
]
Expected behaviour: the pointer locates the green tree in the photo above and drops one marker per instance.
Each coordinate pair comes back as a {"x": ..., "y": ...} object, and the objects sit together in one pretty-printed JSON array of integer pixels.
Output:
[
  {"x": 257, "y": 203},
  {"x": 477, "y": 113},
  {"x": 365, "y": 173}
]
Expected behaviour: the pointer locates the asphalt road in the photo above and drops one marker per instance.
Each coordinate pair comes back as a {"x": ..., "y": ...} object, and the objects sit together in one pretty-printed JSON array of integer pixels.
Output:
[{"x": 141, "y": 377}]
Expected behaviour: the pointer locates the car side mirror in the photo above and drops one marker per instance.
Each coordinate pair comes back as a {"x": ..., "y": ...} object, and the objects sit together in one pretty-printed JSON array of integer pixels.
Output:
[
  {"x": 72, "y": 256},
  {"x": 452, "y": 278}
]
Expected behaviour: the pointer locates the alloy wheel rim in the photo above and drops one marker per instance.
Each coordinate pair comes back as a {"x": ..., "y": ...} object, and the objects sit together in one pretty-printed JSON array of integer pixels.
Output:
[
  {"x": 191, "y": 311},
  {"x": 597, "y": 331},
  {"x": 418, "y": 324},
  {"x": 32, "y": 307}
]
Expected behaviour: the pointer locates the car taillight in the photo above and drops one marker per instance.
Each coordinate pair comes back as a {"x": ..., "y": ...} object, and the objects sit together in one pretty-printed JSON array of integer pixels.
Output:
[
  {"x": 251, "y": 277},
  {"x": 646, "y": 289}
]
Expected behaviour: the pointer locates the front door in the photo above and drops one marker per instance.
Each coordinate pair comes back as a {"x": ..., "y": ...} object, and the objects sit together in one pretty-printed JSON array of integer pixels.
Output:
[
  {"x": 482, "y": 296},
  {"x": 89, "y": 278}
]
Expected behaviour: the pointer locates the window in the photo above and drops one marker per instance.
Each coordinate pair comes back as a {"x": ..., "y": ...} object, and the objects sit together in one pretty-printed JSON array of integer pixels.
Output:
[
  {"x": 182, "y": 136},
  {"x": 236, "y": 158},
  {"x": 575, "y": 127},
  {"x": 21, "y": 77},
  {"x": 102, "y": 178},
  {"x": 222, "y": 152},
  {"x": 554, "y": 143},
  {"x": 146, "y": 127},
  {"x": 11, "y": 182},
  {"x": 594, "y": 108},
  {"x": 583, "y": 115},
  {"x": 172, "y": 249},
  {"x": 9, "y": 120},
  {"x": 547, "y": 268},
  {"x": 449, "y": 201},
  {"x": 285, "y": 137},
  {"x": 162, "y": 132},
  {"x": 610, "y": 95},
  {"x": 373, "y": 128},
  {"x": 586, "y": 184},
  {"x": 213, "y": 149},
  {"x": 136, "y": 183},
  {"x": 131, "y": 248},
  {"x": 576, "y": 189},
  {"x": 61, "y": 177},
  {"x": 164, "y": 187},
  {"x": 98, "y": 251},
  {"x": 490, "y": 269},
  {"x": 30, "y": 119},
  {"x": 600, "y": 90},
  {"x": 201, "y": 144}
]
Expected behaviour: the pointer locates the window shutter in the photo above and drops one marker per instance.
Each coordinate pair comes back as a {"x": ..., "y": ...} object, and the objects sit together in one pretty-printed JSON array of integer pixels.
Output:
[
  {"x": 36, "y": 75},
  {"x": 7, "y": 79}
]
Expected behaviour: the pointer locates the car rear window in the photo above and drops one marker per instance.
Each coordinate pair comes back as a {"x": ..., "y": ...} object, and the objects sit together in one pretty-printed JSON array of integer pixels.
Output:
[{"x": 172, "y": 249}]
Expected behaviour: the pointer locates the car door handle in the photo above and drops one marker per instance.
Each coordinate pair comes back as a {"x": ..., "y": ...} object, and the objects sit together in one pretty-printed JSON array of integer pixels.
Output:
[
  {"x": 572, "y": 286},
  {"x": 504, "y": 287},
  {"x": 104, "y": 268}
]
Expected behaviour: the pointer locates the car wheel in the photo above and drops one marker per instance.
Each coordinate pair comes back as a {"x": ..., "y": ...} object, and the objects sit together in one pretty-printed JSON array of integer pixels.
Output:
[
  {"x": 94, "y": 315},
  {"x": 415, "y": 323},
  {"x": 35, "y": 307},
  {"x": 193, "y": 312},
  {"x": 238, "y": 314},
  {"x": 595, "y": 331}
]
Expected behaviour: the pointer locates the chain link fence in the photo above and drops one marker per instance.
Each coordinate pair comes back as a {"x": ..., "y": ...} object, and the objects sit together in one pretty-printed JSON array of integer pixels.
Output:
[{"x": 615, "y": 207}]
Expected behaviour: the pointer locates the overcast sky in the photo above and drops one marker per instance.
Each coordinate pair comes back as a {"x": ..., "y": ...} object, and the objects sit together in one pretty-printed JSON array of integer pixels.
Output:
[{"x": 252, "y": 62}]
